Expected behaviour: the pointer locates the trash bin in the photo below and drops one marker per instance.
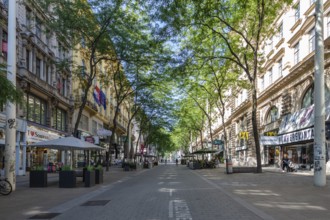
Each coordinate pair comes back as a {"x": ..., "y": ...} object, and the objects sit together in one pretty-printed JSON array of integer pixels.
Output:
[
  {"x": 229, "y": 166},
  {"x": 149, "y": 165}
]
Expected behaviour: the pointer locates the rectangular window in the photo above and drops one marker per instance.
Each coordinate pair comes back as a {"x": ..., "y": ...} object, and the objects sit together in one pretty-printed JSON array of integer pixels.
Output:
[
  {"x": 36, "y": 111},
  {"x": 296, "y": 53},
  {"x": 280, "y": 68},
  {"x": 94, "y": 127},
  {"x": 59, "y": 118},
  {"x": 262, "y": 83},
  {"x": 280, "y": 30},
  {"x": 63, "y": 87},
  {"x": 83, "y": 68},
  {"x": 27, "y": 59},
  {"x": 270, "y": 76},
  {"x": 4, "y": 44},
  {"x": 38, "y": 70},
  {"x": 328, "y": 25},
  {"x": 38, "y": 28},
  {"x": 83, "y": 124},
  {"x": 28, "y": 18},
  {"x": 297, "y": 12},
  {"x": 312, "y": 40}
]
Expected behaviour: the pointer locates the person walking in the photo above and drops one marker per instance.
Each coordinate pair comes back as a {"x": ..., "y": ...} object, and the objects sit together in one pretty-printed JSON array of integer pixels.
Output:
[{"x": 285, "y": 163}]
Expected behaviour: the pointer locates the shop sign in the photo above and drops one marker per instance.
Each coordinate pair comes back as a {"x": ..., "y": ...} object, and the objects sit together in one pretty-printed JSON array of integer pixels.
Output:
[
  {"x": 244, "y": 135},
  {"x": 270, "y": 133},
  {"x": 36, "y": 135},
  {"x": 302, "y": 135},
  {"x": 240, "y": 148},
  {"x": 269, "y": 140},
  {"x": 89, "y": 139},
  {"x": 217, "y": 142}
]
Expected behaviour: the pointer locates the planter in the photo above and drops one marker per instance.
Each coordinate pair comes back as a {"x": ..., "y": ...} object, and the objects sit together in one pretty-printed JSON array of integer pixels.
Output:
[
  {"x": 38, "y": 178},
  {"x": 98, "y": 176},
  {"x": 67, "y": 179},
  {"x": 89, "y": 178}
]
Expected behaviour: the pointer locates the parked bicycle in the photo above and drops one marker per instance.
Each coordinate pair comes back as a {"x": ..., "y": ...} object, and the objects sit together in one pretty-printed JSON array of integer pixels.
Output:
[{"x": 5, "y": 186}]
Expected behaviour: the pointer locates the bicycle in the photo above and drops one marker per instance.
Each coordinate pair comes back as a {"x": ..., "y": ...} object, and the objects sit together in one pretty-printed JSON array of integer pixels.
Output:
[{"x": 5, "y": 186}]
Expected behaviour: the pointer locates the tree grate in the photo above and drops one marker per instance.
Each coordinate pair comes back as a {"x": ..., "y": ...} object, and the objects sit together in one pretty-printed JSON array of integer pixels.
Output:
[
  {"x": 96, "y": 203},
  {"x": 45, "y": 216}
]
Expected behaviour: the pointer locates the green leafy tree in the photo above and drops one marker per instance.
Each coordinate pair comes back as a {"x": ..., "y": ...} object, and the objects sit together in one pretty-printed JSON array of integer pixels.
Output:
[
  {"x": 239, "y": 28},
  {"x": 8, "y": 91}
]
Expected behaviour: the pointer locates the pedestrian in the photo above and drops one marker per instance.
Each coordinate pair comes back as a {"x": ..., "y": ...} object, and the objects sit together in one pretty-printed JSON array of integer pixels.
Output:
[
  {"x": 285, "y": 163},
  {"x": 176, "y": 161}
]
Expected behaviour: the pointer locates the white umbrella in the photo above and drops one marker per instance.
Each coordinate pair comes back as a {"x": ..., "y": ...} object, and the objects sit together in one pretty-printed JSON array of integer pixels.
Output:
[{"x": 67, "y": 143}]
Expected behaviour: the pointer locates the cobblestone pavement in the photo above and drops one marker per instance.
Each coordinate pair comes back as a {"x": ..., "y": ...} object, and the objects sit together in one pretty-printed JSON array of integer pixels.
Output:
[{"x": 174, "y": 192}]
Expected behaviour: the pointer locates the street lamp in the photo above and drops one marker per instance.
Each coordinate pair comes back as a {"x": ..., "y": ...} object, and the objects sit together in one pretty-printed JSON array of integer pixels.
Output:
[{"x": 319, "y": 121}]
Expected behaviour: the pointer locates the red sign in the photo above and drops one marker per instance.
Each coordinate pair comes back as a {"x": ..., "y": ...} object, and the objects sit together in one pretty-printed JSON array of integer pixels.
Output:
[
  {"x": 4, "y": 46},
  {"x": 89, "y": 139}
]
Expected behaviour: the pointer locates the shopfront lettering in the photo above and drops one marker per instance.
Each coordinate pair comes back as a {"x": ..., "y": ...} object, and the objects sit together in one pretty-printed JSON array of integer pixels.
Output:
[
  {"x": 36, "y": 135},
  {"x": 240, "y": 148},
  {"x": 297, "y": 136}
]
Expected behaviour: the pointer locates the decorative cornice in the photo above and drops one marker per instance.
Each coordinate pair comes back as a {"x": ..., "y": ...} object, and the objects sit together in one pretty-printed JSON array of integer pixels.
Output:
[{"x": 296, "y": 25}]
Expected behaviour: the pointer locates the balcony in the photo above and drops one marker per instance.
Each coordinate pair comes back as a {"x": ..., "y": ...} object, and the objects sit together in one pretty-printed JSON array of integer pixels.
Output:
[{"x": 91, "y": 108}]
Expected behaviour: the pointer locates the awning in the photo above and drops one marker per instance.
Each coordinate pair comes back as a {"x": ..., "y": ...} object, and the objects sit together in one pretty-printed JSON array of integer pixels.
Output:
[
  {"x": 269, "y": 140},
  {"x": 67, "y": 143}
]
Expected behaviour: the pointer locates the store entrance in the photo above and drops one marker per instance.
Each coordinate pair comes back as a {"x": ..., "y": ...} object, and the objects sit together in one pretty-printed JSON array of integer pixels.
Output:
[{"x": 302, "y": 155}]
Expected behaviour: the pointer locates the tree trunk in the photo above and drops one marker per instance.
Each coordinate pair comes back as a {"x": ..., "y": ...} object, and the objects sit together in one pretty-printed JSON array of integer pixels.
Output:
[{"x": 255, "y": 128}]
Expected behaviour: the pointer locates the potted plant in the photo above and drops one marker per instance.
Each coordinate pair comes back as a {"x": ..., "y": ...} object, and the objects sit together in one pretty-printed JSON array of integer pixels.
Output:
[
  {"x": 67, "y": 177},
  {"x": 132, "y": 166},
  {"x": 126, "y": 166},
  {"x": 38, "y": 177},
  {"x": 98, "y": 174},
  {"x": 89, "y": 176}
]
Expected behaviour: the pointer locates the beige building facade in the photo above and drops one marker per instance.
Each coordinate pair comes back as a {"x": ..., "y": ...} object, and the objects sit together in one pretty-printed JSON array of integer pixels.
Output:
[{"x": 285, "y": 94}]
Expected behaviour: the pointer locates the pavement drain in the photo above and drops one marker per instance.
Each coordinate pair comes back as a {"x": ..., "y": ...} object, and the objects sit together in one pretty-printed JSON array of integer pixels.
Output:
[
  {"x": 96, "y": 203},
  {"x": 45, "y": 216}
]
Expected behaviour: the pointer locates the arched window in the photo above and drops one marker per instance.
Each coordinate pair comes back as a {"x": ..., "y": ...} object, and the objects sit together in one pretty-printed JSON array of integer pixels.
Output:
[
  {"x": 308, "y": 99},
  {"x": 272, "y": 115}
]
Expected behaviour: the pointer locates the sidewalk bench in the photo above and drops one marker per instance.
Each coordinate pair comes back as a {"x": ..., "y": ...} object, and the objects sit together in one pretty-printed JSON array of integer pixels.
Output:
[{"x": 244, "y": 169}]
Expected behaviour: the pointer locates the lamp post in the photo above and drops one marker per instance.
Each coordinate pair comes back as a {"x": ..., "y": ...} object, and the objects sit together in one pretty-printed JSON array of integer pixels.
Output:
[
  {"x": 319, "y": 121},
  {"x": 10, "y": 142}
]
